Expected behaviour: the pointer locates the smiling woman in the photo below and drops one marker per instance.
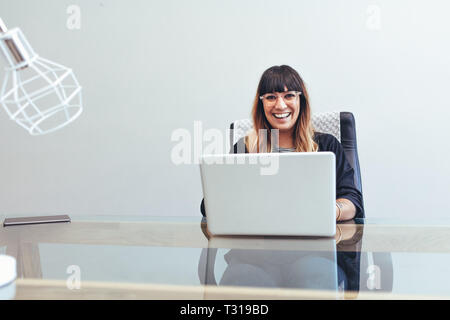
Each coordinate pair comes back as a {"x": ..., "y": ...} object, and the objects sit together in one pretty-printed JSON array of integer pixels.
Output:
[{"x": 282, "y": 103}]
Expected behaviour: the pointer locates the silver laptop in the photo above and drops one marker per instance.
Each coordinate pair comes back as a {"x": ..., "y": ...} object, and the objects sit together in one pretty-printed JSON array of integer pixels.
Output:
[{"x": 286, "y": 194}]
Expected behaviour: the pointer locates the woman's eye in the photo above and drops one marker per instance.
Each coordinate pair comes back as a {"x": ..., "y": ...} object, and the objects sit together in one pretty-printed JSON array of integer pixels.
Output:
[
  {"x": 289, "y": 96},
  {"x": 271, "y": 98}
]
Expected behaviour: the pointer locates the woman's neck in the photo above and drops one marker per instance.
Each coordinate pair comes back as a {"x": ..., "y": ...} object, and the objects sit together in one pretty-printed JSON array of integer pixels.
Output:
[{"x": 285, "y": 139}]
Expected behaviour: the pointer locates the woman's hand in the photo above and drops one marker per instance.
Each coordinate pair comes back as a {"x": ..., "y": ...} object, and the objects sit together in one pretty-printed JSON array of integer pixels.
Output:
[{"x": 345, "y": 209}]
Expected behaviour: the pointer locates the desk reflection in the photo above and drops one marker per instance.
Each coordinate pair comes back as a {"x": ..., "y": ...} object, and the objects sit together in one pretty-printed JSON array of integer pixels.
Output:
[{"x": 331, "y": 264}]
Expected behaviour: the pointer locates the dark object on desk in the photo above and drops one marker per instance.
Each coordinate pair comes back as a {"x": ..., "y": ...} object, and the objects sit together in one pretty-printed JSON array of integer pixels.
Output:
[{"x": 35, "y": 220}]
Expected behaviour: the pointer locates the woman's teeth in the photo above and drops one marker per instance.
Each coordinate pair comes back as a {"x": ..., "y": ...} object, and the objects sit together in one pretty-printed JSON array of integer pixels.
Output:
[{"x": 281, "y": 115}]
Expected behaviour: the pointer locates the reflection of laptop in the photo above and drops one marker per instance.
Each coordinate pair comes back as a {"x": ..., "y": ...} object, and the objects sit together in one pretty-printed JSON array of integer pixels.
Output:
[
  {"x": 274, "y": 263},
  {"x": 290, "y": 194}
]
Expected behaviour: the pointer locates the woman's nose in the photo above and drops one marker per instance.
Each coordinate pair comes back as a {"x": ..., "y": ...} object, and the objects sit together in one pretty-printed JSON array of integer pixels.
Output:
[{"x": 280, "y": 103}]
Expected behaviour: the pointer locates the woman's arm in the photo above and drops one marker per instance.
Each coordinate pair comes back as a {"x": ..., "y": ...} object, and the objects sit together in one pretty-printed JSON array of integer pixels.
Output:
[{"x": 348, "y": 197}]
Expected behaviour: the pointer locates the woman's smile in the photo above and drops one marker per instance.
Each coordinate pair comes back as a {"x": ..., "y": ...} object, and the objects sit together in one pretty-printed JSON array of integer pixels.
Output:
[{"x": 282, "y": 116}]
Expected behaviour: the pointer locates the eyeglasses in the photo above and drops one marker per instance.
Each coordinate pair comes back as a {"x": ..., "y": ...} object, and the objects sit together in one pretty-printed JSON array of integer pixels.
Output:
[{"x": 272, "y": 98}]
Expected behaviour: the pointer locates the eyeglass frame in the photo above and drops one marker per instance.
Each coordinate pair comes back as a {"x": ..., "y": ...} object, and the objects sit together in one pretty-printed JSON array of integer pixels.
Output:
[{"x": 278, "y": 94}]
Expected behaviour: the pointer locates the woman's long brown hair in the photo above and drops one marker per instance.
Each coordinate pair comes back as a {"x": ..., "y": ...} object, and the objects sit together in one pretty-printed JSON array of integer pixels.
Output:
[{"x": 276, "y": 79}]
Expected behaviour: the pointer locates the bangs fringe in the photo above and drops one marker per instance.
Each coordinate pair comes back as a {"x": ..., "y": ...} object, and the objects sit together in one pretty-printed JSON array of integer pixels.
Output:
[{"x": 276, "y": 79}]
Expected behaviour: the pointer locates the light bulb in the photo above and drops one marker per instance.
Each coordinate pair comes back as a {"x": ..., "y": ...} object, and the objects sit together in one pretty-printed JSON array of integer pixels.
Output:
[{"x": 40, "y": 95}]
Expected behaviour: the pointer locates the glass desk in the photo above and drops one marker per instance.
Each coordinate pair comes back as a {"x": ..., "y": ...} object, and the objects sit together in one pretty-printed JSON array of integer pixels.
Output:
[{"x": 175, "y": 258}]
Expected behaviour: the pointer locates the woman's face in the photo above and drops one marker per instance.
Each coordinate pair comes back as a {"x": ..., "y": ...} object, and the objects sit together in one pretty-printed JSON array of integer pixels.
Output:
[{"x": 282, "y": 109}]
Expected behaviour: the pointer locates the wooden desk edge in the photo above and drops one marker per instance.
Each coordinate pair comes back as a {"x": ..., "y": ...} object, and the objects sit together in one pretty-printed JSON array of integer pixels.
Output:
[{"x": 30, "y": 289}]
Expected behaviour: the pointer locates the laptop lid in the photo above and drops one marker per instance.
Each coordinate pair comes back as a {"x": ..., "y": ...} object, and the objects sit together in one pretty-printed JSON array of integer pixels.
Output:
[{"x": 287, "y": 194}]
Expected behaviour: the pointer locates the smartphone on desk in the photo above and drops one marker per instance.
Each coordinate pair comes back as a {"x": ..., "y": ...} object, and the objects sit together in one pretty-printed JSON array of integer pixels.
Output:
[{"x": 35, "y": 220}]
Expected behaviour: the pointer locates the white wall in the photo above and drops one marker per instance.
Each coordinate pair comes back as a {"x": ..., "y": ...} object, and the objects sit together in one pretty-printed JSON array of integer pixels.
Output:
[{"x": 150, "y": 67}]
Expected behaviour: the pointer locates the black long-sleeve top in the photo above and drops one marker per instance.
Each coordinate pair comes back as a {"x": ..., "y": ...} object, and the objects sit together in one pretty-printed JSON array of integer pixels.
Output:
[{"x": 345, "y": 183}]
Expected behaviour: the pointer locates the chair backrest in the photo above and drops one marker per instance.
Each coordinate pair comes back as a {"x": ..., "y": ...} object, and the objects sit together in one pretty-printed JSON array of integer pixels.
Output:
[{"x": 339, "y": 124}]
